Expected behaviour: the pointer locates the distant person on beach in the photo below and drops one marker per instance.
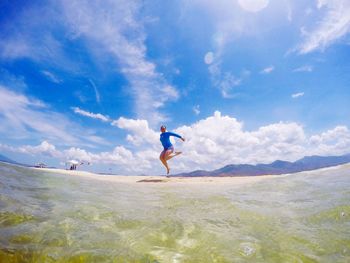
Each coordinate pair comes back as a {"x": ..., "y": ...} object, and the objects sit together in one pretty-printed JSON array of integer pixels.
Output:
[{"x": 168, "y": 151}]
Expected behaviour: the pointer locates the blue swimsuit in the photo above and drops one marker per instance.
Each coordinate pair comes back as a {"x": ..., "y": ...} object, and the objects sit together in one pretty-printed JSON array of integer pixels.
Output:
[{"x": 165, "y": 139}]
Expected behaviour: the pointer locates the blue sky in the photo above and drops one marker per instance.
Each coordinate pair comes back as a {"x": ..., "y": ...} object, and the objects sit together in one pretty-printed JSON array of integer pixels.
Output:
[{"x": 243, "y": 81}]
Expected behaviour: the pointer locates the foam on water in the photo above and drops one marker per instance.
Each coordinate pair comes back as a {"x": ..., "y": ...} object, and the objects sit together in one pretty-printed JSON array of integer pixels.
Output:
[{"x": 46, "y": 217}]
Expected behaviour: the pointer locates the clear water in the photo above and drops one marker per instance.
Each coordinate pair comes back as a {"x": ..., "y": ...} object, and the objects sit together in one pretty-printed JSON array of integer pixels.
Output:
[{"x": 46, "y": 217}]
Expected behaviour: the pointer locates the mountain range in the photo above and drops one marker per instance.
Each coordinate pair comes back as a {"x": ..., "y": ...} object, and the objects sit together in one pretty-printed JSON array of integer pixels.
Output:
[{"x": 277, "y": 167}]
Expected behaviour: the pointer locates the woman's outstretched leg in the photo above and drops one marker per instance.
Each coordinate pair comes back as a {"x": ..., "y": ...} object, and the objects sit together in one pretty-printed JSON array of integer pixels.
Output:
[{"x": 172, "y": 155}]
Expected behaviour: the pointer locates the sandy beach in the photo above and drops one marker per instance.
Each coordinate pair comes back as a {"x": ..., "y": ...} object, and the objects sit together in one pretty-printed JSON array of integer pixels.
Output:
[
  {"x": 159, "y": 179},
  {"x": 234, "y": 180}
]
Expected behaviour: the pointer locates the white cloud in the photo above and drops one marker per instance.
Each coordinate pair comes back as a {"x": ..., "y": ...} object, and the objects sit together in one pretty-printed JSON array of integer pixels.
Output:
[
  {"x": 196, "y": 109},
  {"x": 78, "y": 154},
  {"x": 22, "y": 41},
  {"x": 225, "y": 81},
  {"x": 98, "y": 116},
  {"x": 119, "y": 156},
  {"x": 334, "y": 25},
  {"x": 126, "y": 161},
  {"x": 306, "y": 68},
  {"x": 267, "y": 70},
  {"x": 297, "y": 95},
  {"x": 303, "y": 31},
  {"x": 140, "y": 131},
  {"x": 222, "y": 138},
  {"x": 253, "y": 5},
  {"x": 230, "y": 22},
  {"x": 171, "y": 92},
  {"x": 5, "y": 147},
  {"x": 210, "y": 143},
  {"x": 331, "y": 142},
  {"x": 97, "y": 93},
  {"x": 110, "y": 32},
  {"x": 209, "y": 57},
  {"x": 13, "y": 48},
  {"x": 43, "y": 148},
  {"x": 308, "y": 11},
  {"x": 245, "y": 73},
  {"x": 25, "y": 117},
  {"x": 52, "y": 77}
]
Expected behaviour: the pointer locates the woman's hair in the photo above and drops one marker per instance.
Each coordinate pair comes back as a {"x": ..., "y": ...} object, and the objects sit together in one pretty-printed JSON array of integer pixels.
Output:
[{"x": 163, "y": 127}]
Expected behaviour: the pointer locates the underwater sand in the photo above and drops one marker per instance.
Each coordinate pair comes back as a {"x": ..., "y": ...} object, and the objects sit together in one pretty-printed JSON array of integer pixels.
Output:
[{"x": 69, "y": 216}]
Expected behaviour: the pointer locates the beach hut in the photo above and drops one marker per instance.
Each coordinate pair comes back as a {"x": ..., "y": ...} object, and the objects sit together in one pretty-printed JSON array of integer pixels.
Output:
[
  {"x": 40, "y": 165},
  {"x": 72, "y": 164}
]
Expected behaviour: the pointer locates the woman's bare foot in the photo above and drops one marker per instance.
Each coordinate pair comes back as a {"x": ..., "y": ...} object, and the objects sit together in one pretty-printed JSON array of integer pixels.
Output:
[{"x": 167, "y": 171}]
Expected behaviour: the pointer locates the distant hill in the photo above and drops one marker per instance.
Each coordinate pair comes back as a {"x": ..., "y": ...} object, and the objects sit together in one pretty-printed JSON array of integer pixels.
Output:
[
  {"x": 5, "y": 159},
  {"x": 277, "y": 167}
]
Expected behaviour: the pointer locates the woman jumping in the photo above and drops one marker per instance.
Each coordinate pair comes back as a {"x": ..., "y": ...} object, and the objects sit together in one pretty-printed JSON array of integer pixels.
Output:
[{"x": 168, "y": 151}]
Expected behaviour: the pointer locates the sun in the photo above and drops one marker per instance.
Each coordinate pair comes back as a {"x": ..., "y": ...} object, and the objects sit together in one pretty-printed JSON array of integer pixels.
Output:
[{"x": 253, "y": 5}]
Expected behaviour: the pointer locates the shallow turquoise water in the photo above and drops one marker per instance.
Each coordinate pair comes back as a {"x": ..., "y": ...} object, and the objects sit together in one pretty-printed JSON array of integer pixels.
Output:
[{"x": 46, "y": 217}]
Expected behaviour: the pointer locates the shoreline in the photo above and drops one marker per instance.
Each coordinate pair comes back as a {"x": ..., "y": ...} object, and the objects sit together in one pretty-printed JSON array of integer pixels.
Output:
[{"x": 156, "y": 179}]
